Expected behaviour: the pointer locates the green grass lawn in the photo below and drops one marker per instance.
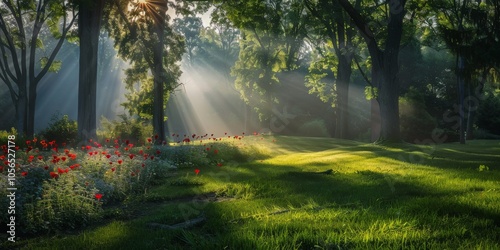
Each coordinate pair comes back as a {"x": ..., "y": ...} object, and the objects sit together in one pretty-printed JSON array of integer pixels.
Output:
[{"x": 397, "y": 196}]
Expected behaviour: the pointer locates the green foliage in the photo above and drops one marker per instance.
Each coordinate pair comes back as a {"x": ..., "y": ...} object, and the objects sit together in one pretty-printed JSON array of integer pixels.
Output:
[
  {"x": 487, "y": 115},
  {"x": 314, "y": 128},
  {"x": 64, "y": 203},
  {"x": 61, "y": 129},
  {"x": 134, "y": 130},
  {"x": 54, "y": 67},
  {"x": 415, "y": 122}
]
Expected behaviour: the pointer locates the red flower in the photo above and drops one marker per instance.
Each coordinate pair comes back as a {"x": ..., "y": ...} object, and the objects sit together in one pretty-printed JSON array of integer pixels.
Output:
[
  {"x": 130, "y": 145},
  {"x": 127, "y": 141},
  {"x": 197, "y": 171},
  {"x": 143, "y": 165},
  {"x": 46, "y": 167},
  {"x": 141, "y": 152},
  {"x": 156, "y": 137},
  {"x": 35, "y": 140},
  {"x": 219, "y": 164},
  {"x": 152, "y": 157},
  {"x": 216, "y": 151},
  {"x": 98, "y": 196},
  {"x": 88, "y": 147},
  {"x": 108, "y": 156},
  {"x": 113, "y": 169},
  {"x": 132, "y": 174},
  {"x": 186, "y": 140},
  {"x": 208, "y": 149},
  {"x": 131, "y": 156},
  {"x": 158, "y": 152},
  {"x": 24, "y": 173},
  {"x": 63, "y": 158},
  {"x": 40, "y": 157},
  {"x": 120, "y": 161},
  {"x": 60, "y": 170},
  {"x": 28, "y": 142},
  {"x": 107, "y": 140},
  {"x": 149, "y": 140},
  {"x": 54, "y": 175}
]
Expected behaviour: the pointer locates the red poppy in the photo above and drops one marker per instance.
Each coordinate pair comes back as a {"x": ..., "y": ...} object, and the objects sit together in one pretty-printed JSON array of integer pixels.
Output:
[
  {"x": 60, "y": 170},
  {"x": 131, "y": 156},
  {"x": 2, "y": 157},
  {"x": 113, "y": 169},
  {"x": 35, "y": 140},
  {"x": 127, "y": 141},
  {"x": 130, "y": 145},
  {"x": 28, "y": 142},
  {"x": 208, "y": 149},
  {"x": 88, "y": 147},
  {"x": 149, "y": 140},
  {"x": 141, "y": 152},
  {"x": 197, "y": 171},
  {"x": 186, "y": 140},
  {"x": 219, "y": 164},
  {"x": 116, "y": 141},
  {"x": 108, "y": 156},
  {"x": 216, "y": 151},
  {"x": 156, "y": 137},
  {"x": 46, "y": 167},
  {"x": 107, "y": 140},
  {"x": 143, "y": 165},
  {"x": 158, "y": 152},
  {"x": 98, "y": 196},
  {"x": 40, "y": 157},
  {"x": 54, "y": 175},
  {"x": 132, "y": 174},
  {"x": 126, "y": 149},
  {"x": 24, "y": 173},
  {"x": 63, "y": 158},
  {"x": 120, "y": 161}
]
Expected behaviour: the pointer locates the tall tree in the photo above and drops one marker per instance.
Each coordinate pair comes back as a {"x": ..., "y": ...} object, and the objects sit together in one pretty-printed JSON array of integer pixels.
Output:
[
  {"x": 384, "y": 62},
  {"x": 89, "y": 26},
  {"x": 22, "y": 24},
  {"x": 471, "y": 31},
  {"x": 272, "y": 34},
  {"x": 333, "y": 25},
  {"x": 143, "y": 34}
]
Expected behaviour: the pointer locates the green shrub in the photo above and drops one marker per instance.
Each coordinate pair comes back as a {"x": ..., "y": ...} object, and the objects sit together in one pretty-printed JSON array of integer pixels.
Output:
[
  {"x": 415, "y": 122},
  {"x": 64, "y": 203},
  {"x": 314, "y": 128},
  {"x": 487, "y": 115},
  {"x": 61, "y": 129},
  {"x": 134, "y": 130}
]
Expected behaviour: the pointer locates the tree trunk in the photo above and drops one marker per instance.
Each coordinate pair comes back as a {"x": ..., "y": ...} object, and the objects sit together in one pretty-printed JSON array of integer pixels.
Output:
[
  {"x": 384, "y": 65},
  {"x": 343, "y": 78},
  {"x": 30, "y": 123},
  {"x": 89, "y": 23},
  {"x": 21, "y": 108},
  {"x": 159, "y": 80}
]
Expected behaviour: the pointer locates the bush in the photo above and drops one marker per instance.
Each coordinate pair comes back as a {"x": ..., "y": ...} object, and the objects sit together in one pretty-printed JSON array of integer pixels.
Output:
[
  {"x": 487, "y": 115},
  {"x": 134, "y": 130},
  {"x": 415, "y": 122},
  {"x": 314, "y": 128},
  {"x": 61, "y": 129}
]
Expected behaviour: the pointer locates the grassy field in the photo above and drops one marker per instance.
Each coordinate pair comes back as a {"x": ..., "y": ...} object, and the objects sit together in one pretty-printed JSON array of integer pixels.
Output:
[{"x": 397, "y": 196}]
